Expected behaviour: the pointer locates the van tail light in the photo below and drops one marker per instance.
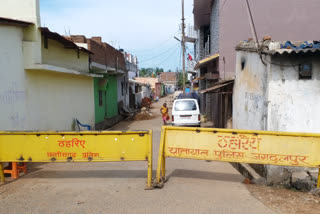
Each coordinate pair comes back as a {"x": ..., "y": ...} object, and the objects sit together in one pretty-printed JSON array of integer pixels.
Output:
[
  {"x": 199, "y": 118},
  {"x": 172, "y": 118}
]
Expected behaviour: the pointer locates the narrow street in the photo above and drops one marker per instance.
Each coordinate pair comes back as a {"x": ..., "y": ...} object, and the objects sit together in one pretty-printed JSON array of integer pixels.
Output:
[{"x": 193, "y": 186}]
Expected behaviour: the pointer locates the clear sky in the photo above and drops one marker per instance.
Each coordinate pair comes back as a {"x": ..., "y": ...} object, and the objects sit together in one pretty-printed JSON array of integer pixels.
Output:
[{"x": 143, "y": 27}]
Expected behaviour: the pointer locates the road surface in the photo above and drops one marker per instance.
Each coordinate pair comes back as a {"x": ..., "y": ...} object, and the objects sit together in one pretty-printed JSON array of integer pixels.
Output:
[{"x": 193, "y": 186}]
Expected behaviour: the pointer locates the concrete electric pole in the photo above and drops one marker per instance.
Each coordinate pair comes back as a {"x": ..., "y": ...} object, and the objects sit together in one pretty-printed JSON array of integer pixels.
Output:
[{"x": 183, "y": 50}]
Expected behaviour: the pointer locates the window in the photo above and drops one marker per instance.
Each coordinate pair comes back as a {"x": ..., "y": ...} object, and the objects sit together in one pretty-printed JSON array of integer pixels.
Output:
[
  {"x": 100, "y": 98},
  {"x": 185, "y": 105},
  {"x": 305, "y": 71}
]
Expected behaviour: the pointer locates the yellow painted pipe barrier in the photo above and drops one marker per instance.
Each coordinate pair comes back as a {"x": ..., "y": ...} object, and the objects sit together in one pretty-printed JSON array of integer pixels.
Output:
[
  {"x": 90, "y": 146},
  {"x": 239, "y": 146}
]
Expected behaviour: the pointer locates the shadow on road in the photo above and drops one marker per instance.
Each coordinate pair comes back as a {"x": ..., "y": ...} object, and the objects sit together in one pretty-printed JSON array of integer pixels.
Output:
[
  {"x": 89, "y": 174},
  {"x": 178, "y": 173},
  {"x": 184, "y": 173}
]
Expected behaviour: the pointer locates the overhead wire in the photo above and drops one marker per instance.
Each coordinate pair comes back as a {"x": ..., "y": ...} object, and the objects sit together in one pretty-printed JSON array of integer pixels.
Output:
[
  {"x": 156, "y": 47},
  {"x": 166, "y": 58},
  {"x": 162, "y": 53},
  {"x": 174, "y": 62},
  {"x": 259, "y": 47}
]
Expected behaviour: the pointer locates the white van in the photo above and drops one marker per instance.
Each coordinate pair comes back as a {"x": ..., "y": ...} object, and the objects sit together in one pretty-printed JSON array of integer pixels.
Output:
[{"x": 185, "y": 112}]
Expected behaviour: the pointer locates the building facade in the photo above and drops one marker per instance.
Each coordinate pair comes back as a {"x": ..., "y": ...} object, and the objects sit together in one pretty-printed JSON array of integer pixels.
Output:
[
  {"x": 111, "y": 89},
  {"x": 45, "y": 80},
  {"x": 169, "y": 80},
  {"x": 222, "y": 24},
  {"x": 279, "y": 91}
]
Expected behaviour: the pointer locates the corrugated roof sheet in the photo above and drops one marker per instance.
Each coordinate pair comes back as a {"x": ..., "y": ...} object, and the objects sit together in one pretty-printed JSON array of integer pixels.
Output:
[
  {"x": 293, "y": 51},
  {"x": 281, "y": 48}
]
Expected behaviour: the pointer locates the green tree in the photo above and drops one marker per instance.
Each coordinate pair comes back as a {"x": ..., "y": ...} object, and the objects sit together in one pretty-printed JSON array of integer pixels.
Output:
[
  {"x": 148, "y": 72},
  {"x": 157, "y": 71},
  {"x": 180, "y": 78}
]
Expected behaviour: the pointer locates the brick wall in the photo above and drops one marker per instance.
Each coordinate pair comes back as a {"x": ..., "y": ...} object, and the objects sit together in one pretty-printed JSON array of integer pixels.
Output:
[
  {"x": 78, "y": 39},
  {"x": 168, "y": 77},
  {"x": 97, "y": 39},
  {"x": 98, "y": 52},
  {"x": 110, "y": 55},
  {"x": 103, "y": 53},
  {"x": 121, "y": 61}
]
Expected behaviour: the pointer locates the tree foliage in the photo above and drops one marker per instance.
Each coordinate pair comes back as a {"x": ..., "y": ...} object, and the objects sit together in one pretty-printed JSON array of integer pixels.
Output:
[
  {"x": 180, "y": 78},
  {"x": 150, "y": 72}
]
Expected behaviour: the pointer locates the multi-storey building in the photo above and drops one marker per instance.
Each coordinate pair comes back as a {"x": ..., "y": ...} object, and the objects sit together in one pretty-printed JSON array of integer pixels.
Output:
[{"x": 221, "y": 24}]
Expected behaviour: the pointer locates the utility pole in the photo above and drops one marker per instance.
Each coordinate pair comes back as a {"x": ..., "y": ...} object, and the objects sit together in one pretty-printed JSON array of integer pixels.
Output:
[
  {"x": 253, "y": 27},
  {"x": 254, "y": 31},
  {"x": 183, "y": 50}
]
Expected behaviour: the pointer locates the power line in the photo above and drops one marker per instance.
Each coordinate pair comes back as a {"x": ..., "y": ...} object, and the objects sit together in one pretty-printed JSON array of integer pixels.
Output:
[
  {"x": 167, "y": 58},
  {"x": 156, "y": 47},
  {"x": 161, "y": 59},
  {"x": 159, "y": 54}
]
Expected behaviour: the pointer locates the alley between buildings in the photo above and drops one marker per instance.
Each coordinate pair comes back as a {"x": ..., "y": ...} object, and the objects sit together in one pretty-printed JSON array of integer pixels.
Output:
[{"x": 193, "y": 186}]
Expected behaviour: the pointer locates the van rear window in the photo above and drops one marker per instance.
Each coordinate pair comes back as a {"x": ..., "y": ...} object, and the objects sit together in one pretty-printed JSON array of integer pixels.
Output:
[{"x": 185, "y": 105}]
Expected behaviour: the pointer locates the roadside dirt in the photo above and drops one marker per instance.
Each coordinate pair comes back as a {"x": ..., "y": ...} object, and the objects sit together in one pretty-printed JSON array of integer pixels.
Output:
[{"x": 284, "y": 200}]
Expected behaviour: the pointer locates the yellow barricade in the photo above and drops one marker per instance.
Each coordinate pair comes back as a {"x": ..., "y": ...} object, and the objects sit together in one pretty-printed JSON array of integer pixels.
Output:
[
  {"x": 240, "y": 146},
  {"x": 88, "y": 146}
]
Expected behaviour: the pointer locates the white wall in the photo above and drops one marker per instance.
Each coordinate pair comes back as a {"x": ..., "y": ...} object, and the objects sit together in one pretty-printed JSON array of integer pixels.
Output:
[
  {"x": 293, "y": 103},
  {"x": 24, "y": 10},
  {"x": 249, "y": 92},
  {"x": 125, "y": 96},
  {"x": 57, "y": 55},
  {"x": 55, "y": 99},
  {"x": 12, "y": 80}
]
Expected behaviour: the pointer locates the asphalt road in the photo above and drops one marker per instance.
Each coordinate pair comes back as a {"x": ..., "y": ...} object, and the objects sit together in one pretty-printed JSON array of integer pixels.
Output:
[{"x": 193, "y": 186}]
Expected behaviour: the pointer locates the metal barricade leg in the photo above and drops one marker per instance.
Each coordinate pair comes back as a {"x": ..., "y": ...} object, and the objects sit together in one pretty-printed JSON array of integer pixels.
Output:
[
  {"x": 161, "y": 162},
  {"x": 149, "y": 182},
  {"x": 1, "y": 173},
  {"x": 163, "y": 171},
  {"x": 318, "y": 183}
]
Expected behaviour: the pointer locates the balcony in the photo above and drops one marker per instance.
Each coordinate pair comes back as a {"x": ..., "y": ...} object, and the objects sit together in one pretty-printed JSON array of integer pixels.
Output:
[{"x": 191, "y": 35}]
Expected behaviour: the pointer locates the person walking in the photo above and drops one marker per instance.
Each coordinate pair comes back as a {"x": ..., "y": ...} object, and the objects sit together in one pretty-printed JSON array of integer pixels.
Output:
[{"x": 165, "y": 113}]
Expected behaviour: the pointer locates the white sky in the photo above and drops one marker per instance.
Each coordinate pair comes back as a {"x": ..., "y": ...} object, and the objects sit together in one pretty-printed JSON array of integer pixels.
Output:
[{"x": 142, "y": 27}]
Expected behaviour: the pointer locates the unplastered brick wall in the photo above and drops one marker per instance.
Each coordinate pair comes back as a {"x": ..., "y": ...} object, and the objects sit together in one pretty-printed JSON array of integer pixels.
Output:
[
  {"x": 114, "y": 57},
  {"x": 98, "y": 51},
  {"x": 110, "y": 55},
  {"x": 103, "y": 53},
  {"x": 168, "y": 77},
  {"x": 120, "y": 61},
  {"x": 78, "y": 39}
]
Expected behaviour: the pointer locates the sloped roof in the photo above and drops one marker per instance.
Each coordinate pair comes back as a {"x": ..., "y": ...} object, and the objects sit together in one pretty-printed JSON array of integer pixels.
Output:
[
  {"x": 281, "y": 47},
  {"x": 14, "y": 22},
  {"x": 61, "y": 39}
]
